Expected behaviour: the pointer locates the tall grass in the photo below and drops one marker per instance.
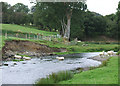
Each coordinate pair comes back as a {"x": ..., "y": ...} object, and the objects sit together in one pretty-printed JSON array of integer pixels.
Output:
[{"x": 56, "y": 77}]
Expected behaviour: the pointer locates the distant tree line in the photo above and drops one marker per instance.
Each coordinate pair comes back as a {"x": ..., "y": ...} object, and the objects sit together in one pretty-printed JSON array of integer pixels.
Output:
[
  {"x": 17, "y": 14},
  {"x": 72, "y": 20}
]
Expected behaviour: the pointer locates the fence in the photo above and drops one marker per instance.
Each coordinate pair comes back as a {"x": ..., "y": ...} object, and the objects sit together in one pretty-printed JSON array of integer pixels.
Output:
[{"x": 31, "y": 36}]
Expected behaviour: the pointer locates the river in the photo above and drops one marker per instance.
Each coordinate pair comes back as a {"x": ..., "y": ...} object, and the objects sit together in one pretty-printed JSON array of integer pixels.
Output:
[{"x": 28, "y": 72}]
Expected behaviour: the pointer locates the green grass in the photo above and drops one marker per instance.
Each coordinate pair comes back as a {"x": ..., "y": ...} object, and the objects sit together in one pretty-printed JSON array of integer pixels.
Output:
[
  {"x": 71, "y": 48},
  {"x": 56, "y": 77},
  {"x": 104, "y": 75},
  {"x": 15, "y": 28},
  {"x": 17, "y": 60}
]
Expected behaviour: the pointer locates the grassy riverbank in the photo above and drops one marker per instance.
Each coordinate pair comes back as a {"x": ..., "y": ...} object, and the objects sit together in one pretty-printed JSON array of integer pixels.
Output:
[
  {"x": 104, "y": 75},
  {"x": 78, "y": 48},
  {"x": 71, "y": 47}
]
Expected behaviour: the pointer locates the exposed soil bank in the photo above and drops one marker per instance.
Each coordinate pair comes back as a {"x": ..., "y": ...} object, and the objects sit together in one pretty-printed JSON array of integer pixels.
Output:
[{"x": 27, "y": 48}]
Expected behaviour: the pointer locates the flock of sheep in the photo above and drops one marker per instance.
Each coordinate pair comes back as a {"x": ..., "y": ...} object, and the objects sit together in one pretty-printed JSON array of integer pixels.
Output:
[
  {"x": 28, "y": 58},
  {"x": 108, "y": 53},
  {"x": 102, "y": 54},
  {"x": 20, "y": 57}
]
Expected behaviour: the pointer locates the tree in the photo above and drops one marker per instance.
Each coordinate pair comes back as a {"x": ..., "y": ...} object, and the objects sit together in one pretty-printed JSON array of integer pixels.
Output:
[
  {"x": 94, "y": 24},
  {"x": 58, "y": 13},
  {"x": 118, "y": 19},
  {"x": 19, "y": 7},
  {"x": 21, "y": 14},
  {"x": 5, "y": 14}
]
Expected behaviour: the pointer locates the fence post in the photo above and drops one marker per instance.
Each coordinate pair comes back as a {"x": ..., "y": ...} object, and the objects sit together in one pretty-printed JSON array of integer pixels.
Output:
[
  {"x": 50, "y": 38},
  {"x": 26, "y": 36},
  {"x": 6, "y": 35},
  {"x": 29, "y": 35},
  {"x": 42, "y": 36},
  {"x": 17, "y": 35},
  {"x": 37, "y": 36},
  {"x": 34, "y": 37}
]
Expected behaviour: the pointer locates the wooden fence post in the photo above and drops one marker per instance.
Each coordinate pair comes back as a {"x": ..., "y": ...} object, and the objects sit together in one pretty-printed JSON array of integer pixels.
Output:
[
  {"x": 26, "y": 36},
  {"x": 17, "y": 35},
  {"x": 37, "y": 36},
  {"x": 29, "y": 35},
  {"x": 34, "y": 37},
  {"x": 6, "y": 35}
]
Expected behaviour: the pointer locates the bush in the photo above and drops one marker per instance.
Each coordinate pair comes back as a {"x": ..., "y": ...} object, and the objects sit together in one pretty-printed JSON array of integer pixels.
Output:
[
  {"x": 56, "y": 77},
  {"x": 116, "y": 48},
  {"x": 118, "y": 53}
]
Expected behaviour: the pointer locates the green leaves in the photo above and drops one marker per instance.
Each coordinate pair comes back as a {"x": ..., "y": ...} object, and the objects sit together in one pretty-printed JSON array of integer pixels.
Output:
[{"x": 19, "y": 7}]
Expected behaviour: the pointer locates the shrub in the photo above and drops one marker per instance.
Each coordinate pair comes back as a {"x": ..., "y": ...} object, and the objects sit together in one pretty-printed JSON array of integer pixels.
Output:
[
  {"x": 116, "y": 48},
  {"x": 118, "y": 53}
]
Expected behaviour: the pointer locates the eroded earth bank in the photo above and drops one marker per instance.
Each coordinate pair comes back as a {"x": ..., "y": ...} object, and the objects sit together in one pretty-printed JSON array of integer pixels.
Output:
[{"x": 28, "y": 48}]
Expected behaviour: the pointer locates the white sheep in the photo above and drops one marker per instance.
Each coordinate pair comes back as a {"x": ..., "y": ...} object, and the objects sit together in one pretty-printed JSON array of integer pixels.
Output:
[
  {"x": 102, "y": 54},
  {"x": 110, "y": 53},
  {"x": 26, "y": 58},
  {"x": 18, "y": 57},
  {"x": 79, "y": 41},
  {"x": 60, "y": 58}
]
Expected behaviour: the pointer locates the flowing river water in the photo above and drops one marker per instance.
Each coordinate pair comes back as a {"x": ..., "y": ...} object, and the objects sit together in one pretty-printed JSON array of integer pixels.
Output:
[{"x": 28, "y": 72}]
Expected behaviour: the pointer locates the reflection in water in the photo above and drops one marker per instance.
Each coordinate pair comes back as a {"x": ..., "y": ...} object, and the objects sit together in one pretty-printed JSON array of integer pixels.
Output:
[{"x": 27, "y": 72}]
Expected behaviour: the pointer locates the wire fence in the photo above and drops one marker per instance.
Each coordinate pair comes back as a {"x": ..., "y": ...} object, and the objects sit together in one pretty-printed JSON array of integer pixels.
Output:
[{"x": 31, "y": 36}]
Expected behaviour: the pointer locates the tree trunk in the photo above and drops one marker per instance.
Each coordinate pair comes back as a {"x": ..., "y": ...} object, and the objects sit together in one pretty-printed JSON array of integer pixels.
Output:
[
  {"x": 68, "y": 27},
  {"x": 67, "y": 30}
]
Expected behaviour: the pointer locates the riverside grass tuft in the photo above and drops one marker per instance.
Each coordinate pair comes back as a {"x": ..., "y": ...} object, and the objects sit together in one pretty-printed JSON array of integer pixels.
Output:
[{"x": 56, "y": 77}]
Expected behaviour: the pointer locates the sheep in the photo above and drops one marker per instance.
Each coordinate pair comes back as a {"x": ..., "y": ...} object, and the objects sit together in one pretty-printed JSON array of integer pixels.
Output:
[
  {"x": 17, "y": 56},
  {"x": 60, "y": 58},
  {"x": 110, "y": 53},
  {"x": 79, "y": 41},
  {"x": 26, "y": 58},
  {"x": 102, "y": 54}
]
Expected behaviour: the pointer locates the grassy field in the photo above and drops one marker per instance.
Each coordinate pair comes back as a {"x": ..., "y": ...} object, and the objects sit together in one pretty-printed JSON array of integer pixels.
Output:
[
  {"x": 104, "y": 75},
  {"x": 15, "y": 28},
  {"x": 78, "y": 48}
]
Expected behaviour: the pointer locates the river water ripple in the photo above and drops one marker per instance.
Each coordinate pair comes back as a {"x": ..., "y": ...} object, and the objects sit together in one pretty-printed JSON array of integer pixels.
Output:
[{"x": 28, "y": 72}]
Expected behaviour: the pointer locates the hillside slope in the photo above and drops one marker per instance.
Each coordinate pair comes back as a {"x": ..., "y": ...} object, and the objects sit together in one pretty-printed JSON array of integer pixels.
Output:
[{"x": 18, "y": 28}]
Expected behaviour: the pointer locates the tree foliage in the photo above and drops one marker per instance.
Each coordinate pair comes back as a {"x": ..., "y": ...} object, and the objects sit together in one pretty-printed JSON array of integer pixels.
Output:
[{"x": 71, "y": 19}]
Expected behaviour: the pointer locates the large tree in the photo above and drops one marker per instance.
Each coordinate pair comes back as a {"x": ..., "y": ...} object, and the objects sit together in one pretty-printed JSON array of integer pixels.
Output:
[{"x": 59, "y": 14}]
